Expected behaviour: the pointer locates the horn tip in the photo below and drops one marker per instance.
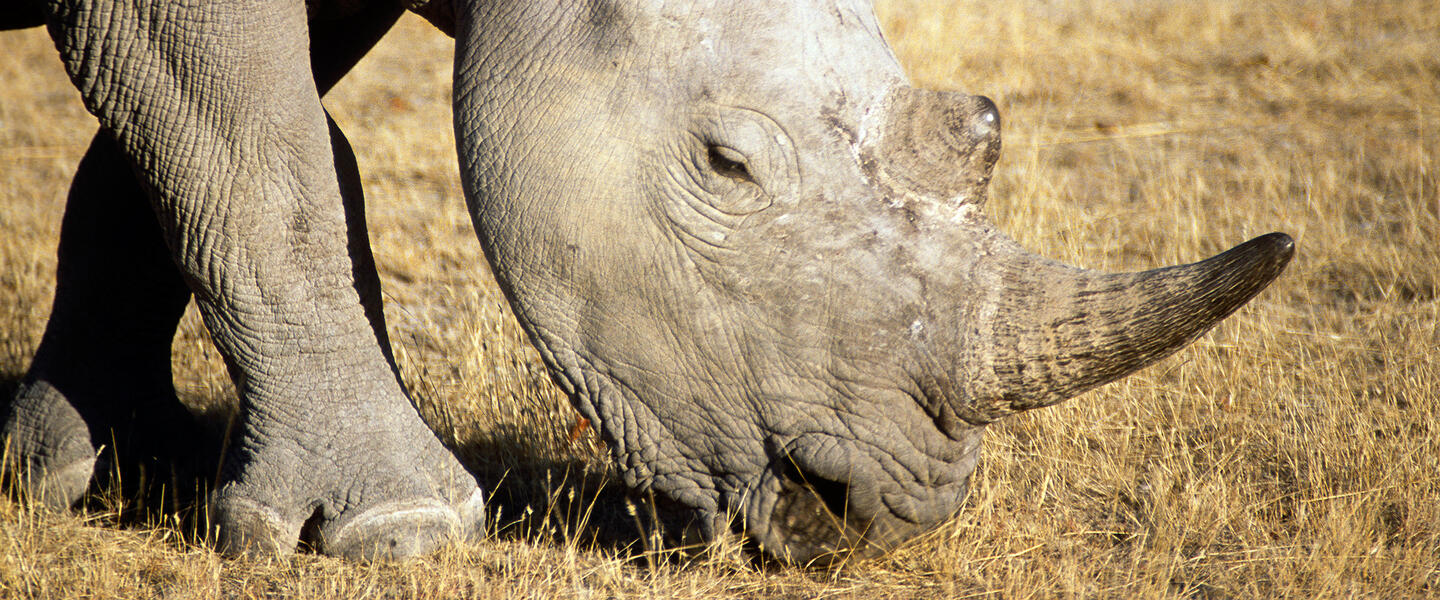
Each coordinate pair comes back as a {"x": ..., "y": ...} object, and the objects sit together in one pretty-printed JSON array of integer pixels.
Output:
[
  {"x": 1280, "y": 245},
  {"x": 1257, "y": 263},
  {"x": 1275, "y": 249}
]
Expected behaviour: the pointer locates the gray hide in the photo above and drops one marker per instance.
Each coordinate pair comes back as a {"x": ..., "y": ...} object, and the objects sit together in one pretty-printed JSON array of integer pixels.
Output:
[
  {"x": 756, "y": 257},
  {"x": 745, "y": 246}
]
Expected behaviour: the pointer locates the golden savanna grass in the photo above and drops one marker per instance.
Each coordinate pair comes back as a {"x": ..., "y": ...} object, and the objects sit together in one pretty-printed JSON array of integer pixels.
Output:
[{"x": 1291, "y": 452}]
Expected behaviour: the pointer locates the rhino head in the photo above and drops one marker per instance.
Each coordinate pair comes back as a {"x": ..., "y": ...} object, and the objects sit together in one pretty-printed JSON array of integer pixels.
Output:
[{"x": 755, "y": 256}]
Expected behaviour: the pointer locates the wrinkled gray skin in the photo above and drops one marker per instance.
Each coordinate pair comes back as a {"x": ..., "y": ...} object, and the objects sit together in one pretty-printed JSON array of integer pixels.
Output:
[{"x": 747, "y": 248}]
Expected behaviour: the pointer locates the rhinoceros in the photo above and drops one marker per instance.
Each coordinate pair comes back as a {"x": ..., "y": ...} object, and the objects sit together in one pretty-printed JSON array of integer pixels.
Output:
[{"x": 745, "y": 246}]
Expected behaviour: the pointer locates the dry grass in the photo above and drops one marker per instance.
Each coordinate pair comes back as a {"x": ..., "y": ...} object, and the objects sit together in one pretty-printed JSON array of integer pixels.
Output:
[{"x": 1292, "y": 452}]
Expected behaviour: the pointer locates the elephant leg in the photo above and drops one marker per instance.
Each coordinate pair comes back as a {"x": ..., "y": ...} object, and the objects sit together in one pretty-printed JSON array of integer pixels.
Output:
[
  {"x": 105, "y": 358},
  {"x": 209, "y": 100}
]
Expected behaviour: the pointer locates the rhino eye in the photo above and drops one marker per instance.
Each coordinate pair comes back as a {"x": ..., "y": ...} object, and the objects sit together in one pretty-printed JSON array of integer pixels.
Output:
[{"x": 727, "y": 162}]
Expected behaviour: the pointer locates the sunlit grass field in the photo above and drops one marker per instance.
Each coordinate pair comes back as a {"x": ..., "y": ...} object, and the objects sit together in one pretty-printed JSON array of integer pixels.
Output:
[{"x": 1294, "y": 451}]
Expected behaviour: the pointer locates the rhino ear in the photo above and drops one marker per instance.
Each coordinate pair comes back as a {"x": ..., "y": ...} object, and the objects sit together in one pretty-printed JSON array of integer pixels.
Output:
[
  {"x": 1059, "y": 331},
  {"x": 936, "y": 146},
  {"x": 440, "y": 13}
]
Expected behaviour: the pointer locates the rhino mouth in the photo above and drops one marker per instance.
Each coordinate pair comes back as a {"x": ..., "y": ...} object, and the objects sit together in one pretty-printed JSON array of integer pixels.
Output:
[
  {"x": 822, "y": 500},
  {"x": 813, "y": 516}
]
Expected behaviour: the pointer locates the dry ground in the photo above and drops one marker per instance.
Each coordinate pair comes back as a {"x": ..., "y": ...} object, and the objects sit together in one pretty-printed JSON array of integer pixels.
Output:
[{"x": 1291, "y": 452}]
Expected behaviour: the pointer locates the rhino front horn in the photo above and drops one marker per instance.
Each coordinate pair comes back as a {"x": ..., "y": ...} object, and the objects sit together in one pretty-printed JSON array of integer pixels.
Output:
[{"x": 1059, "y": 331}]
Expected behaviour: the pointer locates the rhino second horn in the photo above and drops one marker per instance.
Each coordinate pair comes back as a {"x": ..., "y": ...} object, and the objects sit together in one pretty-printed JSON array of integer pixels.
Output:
[
  {"x": 1059, "y": 331},
  {"x": 938, "y": 146}
]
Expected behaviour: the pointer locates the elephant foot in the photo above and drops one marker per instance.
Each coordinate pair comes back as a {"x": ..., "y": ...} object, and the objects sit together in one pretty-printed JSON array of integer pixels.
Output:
[
  {"x": 353, "y": 492},
  {"x": 49, "y": 455}
]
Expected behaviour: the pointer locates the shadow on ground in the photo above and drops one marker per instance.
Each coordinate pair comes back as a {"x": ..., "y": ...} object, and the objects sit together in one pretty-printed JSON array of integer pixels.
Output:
[
  {"x": 146, "y": 473},
  {"x": 562, "y": 501}
]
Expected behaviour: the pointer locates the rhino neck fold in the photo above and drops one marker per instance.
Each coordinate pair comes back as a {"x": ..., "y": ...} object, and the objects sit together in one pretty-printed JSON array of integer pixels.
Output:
[{"x": 1059, "y": 331}]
